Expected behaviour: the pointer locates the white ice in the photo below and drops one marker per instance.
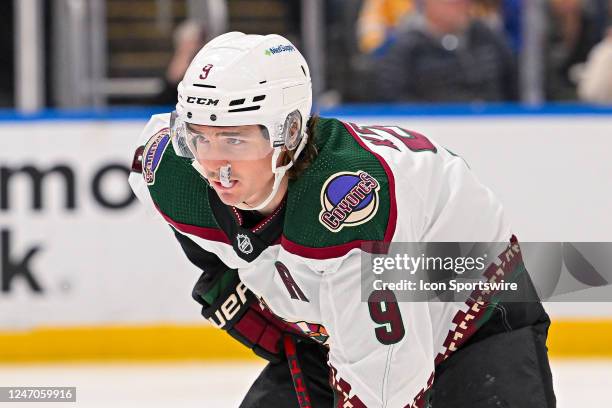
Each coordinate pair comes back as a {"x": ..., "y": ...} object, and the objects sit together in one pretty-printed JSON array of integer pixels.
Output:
[{"x": 578, "y": 383}]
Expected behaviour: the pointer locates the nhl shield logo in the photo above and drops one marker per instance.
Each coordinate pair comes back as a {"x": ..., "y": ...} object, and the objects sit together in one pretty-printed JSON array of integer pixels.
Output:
[
  {"x": 348, "y": 199},
  {"x": 244, "y": 244}
]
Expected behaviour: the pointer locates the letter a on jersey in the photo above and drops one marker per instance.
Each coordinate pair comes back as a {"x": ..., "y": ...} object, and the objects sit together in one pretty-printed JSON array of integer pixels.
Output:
[{"x": 294, "y": 290}]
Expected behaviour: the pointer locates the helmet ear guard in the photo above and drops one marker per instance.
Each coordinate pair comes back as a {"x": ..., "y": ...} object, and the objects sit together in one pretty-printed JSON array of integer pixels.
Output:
[{"x": 292, "y": 130}]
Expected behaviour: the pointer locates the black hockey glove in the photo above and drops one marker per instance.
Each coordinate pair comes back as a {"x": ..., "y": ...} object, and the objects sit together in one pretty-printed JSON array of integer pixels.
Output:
[{"x": 229, "y": 305}]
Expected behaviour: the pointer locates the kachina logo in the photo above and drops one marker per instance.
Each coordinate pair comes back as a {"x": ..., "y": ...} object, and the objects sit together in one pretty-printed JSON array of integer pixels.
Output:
[{"x": 279, "y": 49}]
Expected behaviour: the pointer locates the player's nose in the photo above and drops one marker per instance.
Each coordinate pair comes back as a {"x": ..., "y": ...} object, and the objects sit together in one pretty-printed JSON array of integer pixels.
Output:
[{"x": 212, "y": 166}]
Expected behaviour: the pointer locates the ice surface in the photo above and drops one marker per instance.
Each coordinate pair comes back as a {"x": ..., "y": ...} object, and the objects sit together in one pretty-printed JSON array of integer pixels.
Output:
[{"x": 578, "y": 383}]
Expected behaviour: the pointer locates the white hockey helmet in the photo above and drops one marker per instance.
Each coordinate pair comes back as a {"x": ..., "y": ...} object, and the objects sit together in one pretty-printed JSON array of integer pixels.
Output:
[{"x": 238, "y": 79}]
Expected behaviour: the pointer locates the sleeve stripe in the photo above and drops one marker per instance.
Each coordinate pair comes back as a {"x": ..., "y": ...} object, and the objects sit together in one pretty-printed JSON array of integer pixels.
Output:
[
  {"x": 391, "y": 222},
  {"x": 334, "y": 251},
  {"x": 211, "y": 234}
]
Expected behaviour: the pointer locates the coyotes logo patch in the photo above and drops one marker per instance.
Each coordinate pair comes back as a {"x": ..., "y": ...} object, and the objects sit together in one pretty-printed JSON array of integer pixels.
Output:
[
  {"x": 348, "y": 199},
  {"x": 152, "y": 154}
]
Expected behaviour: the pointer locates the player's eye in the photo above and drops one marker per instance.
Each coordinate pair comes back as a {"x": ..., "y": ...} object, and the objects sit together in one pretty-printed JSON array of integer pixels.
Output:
[
  {"x": 234, "y": 141},
  {"x": 199, "y": 139}
]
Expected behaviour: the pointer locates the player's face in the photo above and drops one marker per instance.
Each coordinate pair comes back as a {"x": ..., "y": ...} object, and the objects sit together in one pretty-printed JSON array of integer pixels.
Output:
[
  {"x": 217, "y": 143},
  {"x": 247, "y": 150}
]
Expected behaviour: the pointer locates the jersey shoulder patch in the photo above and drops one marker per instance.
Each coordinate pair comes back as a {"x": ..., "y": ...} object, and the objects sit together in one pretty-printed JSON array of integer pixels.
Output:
[
  {"x": 176, "y": 188},
  {"x": 152, "y": 154},
  {"x": 345, "y": 196}
]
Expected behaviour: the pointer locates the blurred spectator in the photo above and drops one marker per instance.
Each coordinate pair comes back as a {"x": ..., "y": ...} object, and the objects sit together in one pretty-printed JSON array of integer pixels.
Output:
[
  {"x": 488, "y": 11},
  {"x": 573, "y": 30},
  {"x": 189, "y": 37},
  {"x": 595, "y": 84},
  {"x": 444, "y": 54},
  {"x": 377, "y": 23}
]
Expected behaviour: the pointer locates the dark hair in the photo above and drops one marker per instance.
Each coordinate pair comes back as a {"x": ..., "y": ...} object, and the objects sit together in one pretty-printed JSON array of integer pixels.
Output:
[{"x": 307, "y": 156}]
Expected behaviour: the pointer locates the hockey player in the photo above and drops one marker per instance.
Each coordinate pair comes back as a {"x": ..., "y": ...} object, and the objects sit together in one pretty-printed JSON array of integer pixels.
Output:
[{"x": 276, "y": 207}]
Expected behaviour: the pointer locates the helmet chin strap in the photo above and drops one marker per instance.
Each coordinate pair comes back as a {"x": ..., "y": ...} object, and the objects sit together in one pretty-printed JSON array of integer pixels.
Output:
[
  {"x": 279, "y": 173},
  {"x": 278, "y": 177}
]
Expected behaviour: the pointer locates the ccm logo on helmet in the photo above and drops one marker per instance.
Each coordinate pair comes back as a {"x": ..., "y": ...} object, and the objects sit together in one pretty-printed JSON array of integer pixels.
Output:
[{"x": 202, "y": 101}]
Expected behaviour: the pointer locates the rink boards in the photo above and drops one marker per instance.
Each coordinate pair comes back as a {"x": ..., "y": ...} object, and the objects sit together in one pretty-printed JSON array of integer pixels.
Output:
[{"x": 88, "y": 273}]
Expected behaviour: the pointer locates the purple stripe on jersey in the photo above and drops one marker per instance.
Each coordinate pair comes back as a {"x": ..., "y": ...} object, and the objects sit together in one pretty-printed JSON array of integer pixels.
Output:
[{"x": 159, "y": 152}]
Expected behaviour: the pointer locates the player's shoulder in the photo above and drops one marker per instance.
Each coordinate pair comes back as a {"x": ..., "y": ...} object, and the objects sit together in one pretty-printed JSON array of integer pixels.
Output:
[
  {"x": 343, "y": 198},
  {"x": 176, "y": 189},
  {"x": 155, "y": 124},
  {"x": 412, "y": 157}
]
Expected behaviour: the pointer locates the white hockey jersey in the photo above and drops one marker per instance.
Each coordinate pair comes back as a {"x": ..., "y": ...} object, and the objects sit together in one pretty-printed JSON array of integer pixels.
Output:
[{"x": 368, "y": 184}]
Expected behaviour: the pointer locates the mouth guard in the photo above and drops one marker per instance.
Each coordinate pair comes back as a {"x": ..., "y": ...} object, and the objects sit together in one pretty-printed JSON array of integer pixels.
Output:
[{"x": 225, "y": 173}]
